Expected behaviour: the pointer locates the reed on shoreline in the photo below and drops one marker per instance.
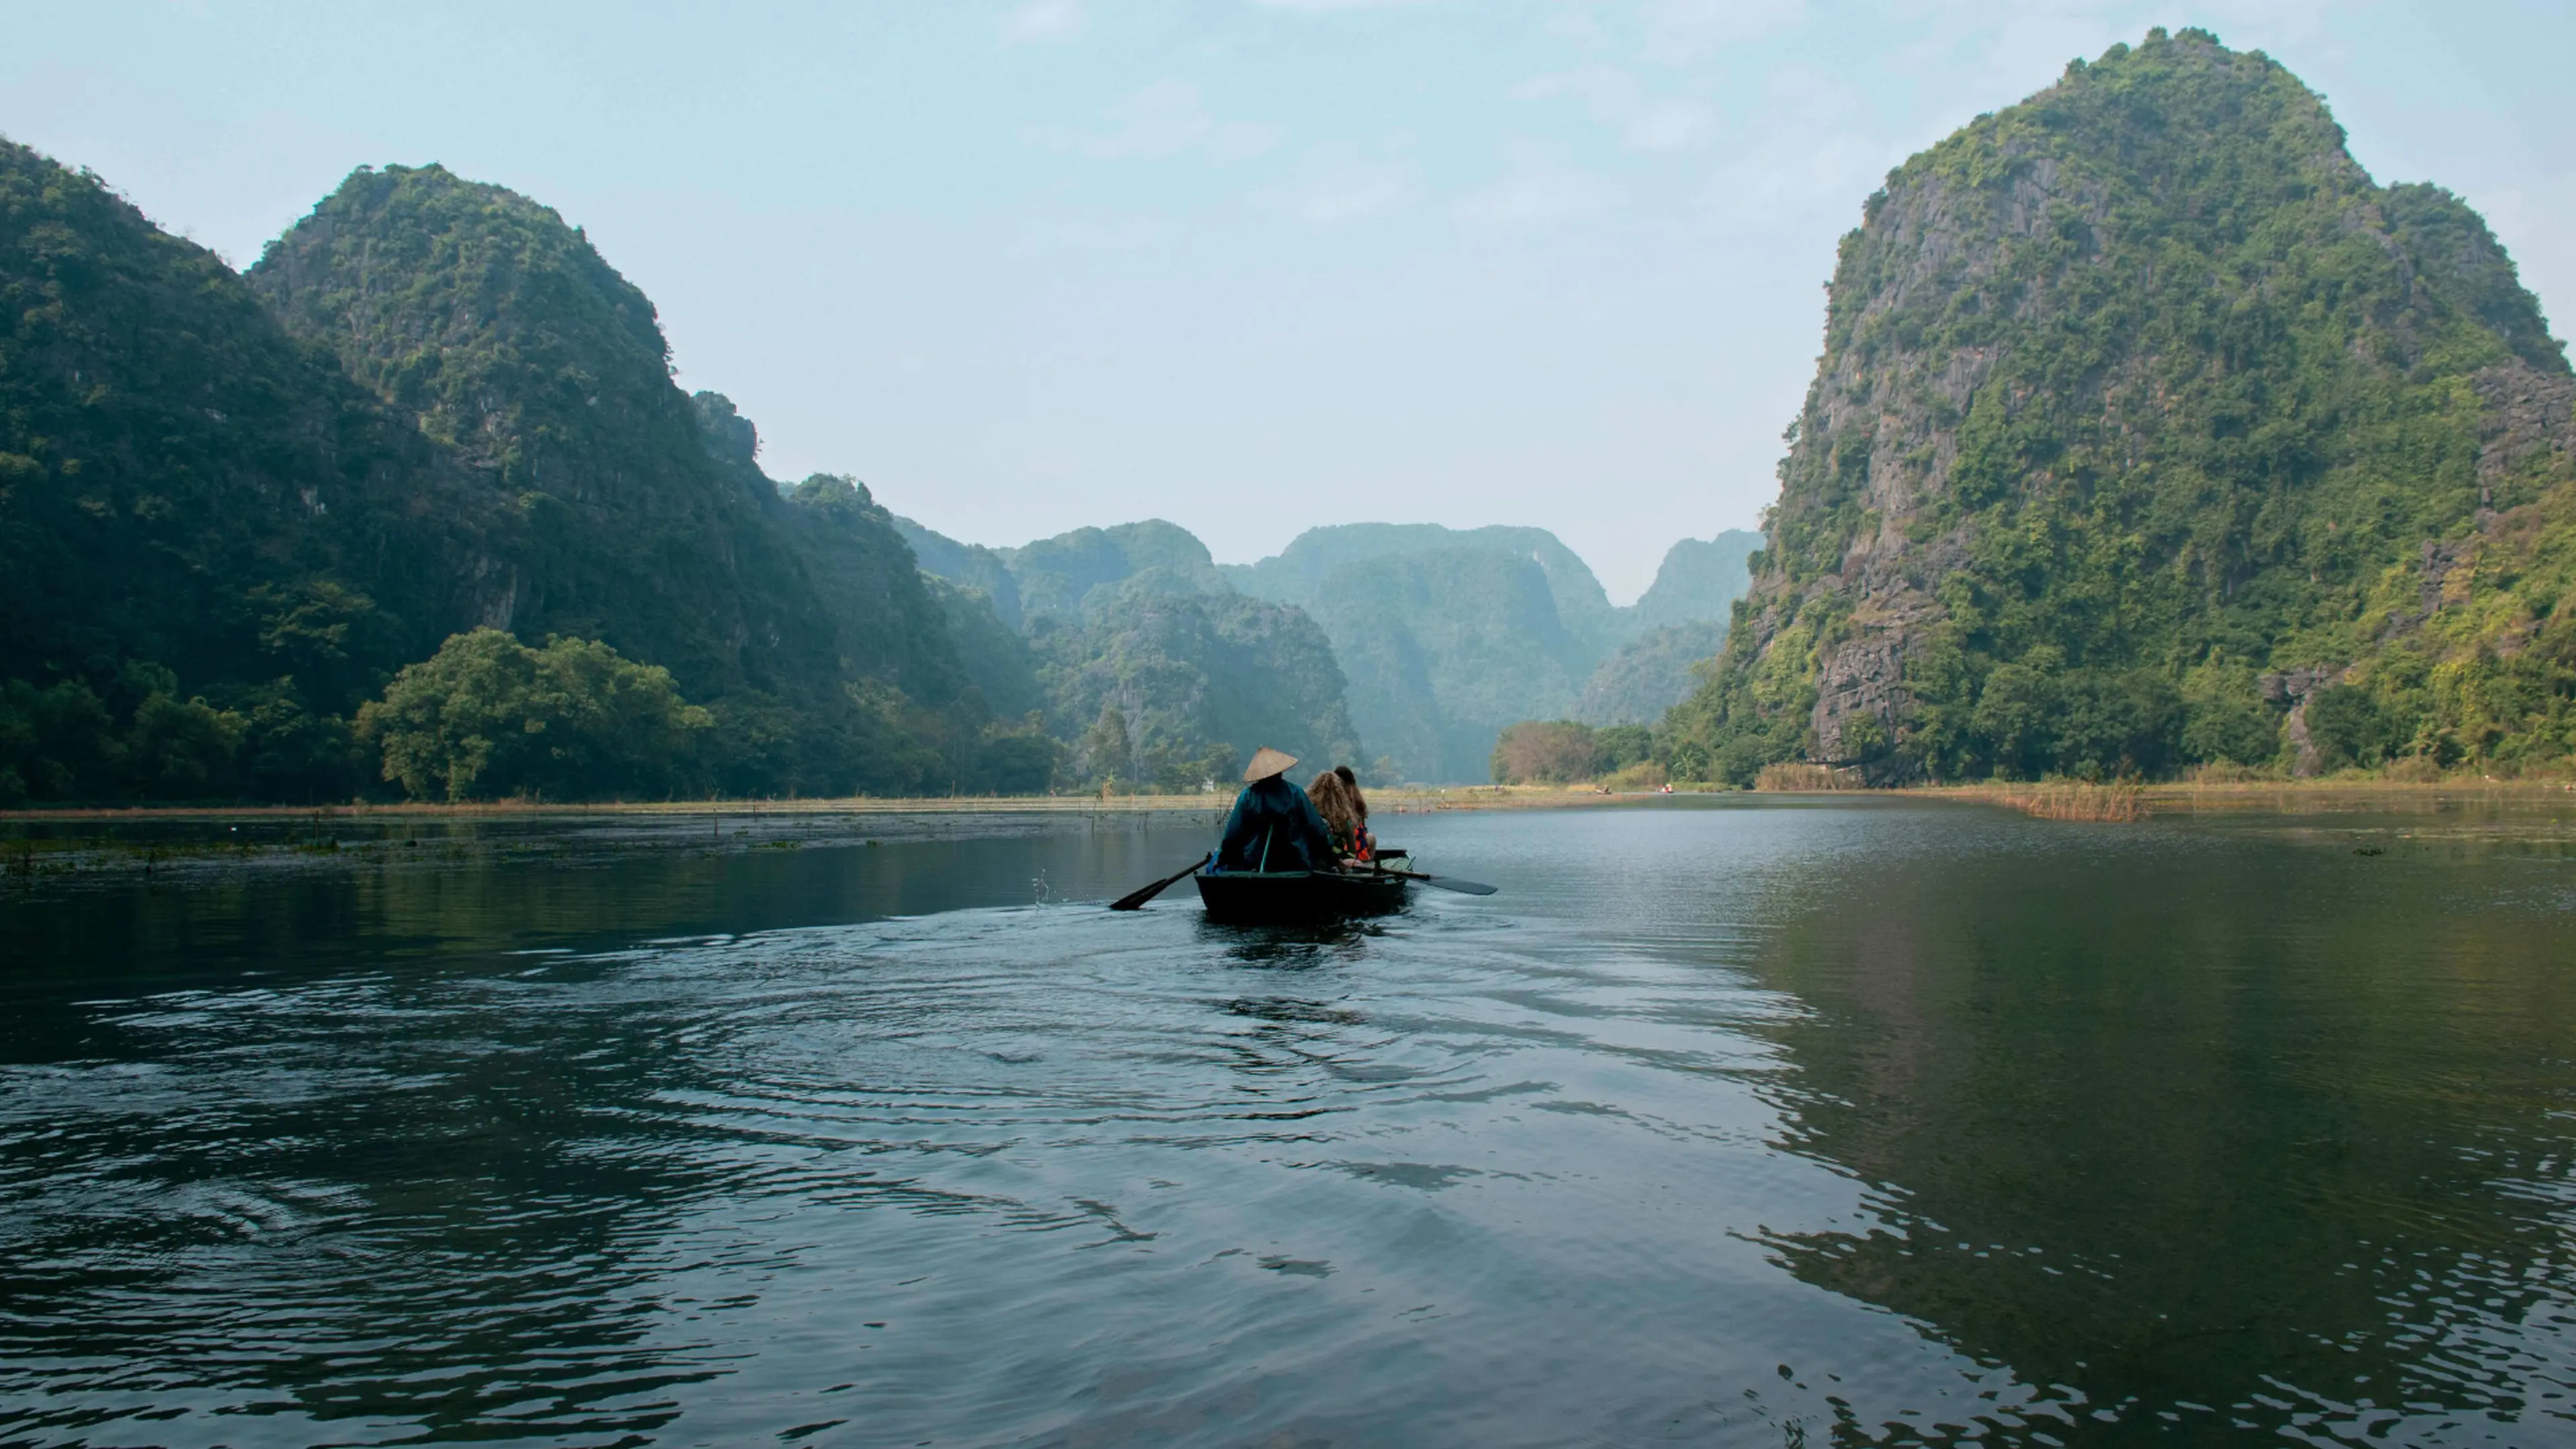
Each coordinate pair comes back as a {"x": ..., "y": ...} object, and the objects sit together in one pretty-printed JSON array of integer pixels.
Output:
[
  {"x": 1799, "y": 777},
  {"x": 2078, "y": 800}
]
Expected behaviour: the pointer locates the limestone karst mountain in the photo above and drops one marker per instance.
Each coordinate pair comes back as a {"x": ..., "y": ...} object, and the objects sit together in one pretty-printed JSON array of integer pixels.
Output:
[
  {"x": 622, "y": 509},
  {"x": 1450, "y": 635},
  {"x": 2150, "y": 430},
  {"x": 1150, "y": 669},
  {"x": 1650, "y": 674},
  {"x": 213, "y": 545},
  {"x": 1700, "y": 580},
  {"x": 232, "y": 507},
  {"x": 1684, "y": 616}
]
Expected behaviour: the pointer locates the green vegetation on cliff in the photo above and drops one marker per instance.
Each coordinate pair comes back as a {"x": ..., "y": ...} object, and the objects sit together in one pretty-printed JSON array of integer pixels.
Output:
[
  {"x": 1059, "y": 576},
  {"x": 1699, "y": 581},
  {"x": 1650, "y": 674},
  {"x": 1450, "y": 635},
  {"x": 212, "y": 545},
  {"x": 2151, "y": 431},
  {"x": 1174, "y": 691},
  {"x": 487, "y": 717},
  {"x": 1445, "y": 647},
  {"x": 234, "y": 509},
  {"x": 1152, "y": 672}
]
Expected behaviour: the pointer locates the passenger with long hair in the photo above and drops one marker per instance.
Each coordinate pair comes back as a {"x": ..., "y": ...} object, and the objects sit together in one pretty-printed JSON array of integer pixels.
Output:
[
  {"x": 1332, "y": 797},
  {"x": 1364, "y": 843}
]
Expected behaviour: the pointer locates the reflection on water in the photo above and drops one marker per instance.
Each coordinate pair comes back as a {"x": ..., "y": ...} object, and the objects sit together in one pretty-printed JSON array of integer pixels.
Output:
[
  {"x": 2261, "y": 1136},
  {"x": 1875, "y": 1123}
]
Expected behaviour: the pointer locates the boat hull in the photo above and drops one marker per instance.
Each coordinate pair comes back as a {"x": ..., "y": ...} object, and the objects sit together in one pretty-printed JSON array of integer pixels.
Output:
[{"x": 1298, "y": 896}]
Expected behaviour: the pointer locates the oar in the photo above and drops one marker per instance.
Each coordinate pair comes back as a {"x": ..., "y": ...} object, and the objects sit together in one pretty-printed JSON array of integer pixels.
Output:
[
  {"x": 1137, "y": 901},
  {"x": 1444, "y": 882}
]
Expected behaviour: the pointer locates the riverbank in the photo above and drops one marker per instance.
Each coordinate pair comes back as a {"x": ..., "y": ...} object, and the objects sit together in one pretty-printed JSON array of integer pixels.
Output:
[
  {"x": 1381, "y": 802},
  {"x": 2075, "y": 800},
  {"x": 2191, "y": 794},
  {"x": 197, "y": 842}
]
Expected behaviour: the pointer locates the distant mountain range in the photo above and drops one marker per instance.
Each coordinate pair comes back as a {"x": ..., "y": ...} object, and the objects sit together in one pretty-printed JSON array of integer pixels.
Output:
[{"x": 1442, "y": 636}]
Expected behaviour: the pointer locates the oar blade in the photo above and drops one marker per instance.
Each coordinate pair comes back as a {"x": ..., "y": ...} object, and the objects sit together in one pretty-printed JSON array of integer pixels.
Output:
[
  {"x": 1135, "y": 901},
  {"x": 1462, "y": 887}
]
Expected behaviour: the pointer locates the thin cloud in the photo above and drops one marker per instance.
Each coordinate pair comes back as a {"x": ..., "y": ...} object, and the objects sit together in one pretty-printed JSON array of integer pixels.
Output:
[
  {"x": 1319, "y": 6},
  {"x": 1682, "y": 31},
  {"x": 1168, "y": 118},
  {"x": 1336, "y": 197},
  {"x": 1617, "y": 100},
  {"x": 1541, "y": 188},
  {"x": 1120, "y": 234},
  {"x": 1042, "y": 20},
  {"x": 1821, "y": 149}
]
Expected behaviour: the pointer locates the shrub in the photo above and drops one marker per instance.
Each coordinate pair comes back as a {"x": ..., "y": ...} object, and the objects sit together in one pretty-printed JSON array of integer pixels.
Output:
[
  {"x": 488, "y": 717},
  {"x": 1543, "y": 752},
  {"x": 2349, "y": 728}
]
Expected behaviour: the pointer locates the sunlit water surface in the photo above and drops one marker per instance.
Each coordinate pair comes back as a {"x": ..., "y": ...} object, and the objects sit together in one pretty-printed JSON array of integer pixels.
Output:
[{"x": 1881, "y": 1122}]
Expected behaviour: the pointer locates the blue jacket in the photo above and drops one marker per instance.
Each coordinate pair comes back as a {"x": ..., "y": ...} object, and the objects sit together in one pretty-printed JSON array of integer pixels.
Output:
[{"x": 1274, "y": 822}]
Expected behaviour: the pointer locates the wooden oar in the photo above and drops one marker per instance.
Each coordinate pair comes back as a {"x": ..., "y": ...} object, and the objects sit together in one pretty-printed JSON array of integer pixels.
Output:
[
  {"x": 1443, "y": 882},
  {"x": 1137, "y": 901}
]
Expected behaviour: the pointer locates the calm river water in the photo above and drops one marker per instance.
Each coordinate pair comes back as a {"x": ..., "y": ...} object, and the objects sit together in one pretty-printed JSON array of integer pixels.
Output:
[{"x": 1728, "y": 1122}]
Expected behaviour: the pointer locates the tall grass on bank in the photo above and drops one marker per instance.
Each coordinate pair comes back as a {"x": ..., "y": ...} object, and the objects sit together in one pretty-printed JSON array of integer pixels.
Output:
[
  {"x": 2077, "y": 800},
  {"x": 1796, "y": 776}
]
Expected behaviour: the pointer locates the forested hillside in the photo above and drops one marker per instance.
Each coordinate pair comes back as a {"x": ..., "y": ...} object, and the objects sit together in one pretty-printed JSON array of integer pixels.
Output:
[
  {"x": 1450, "y": 635},
  {"x": 413, "y": 506},
  {"x": 1699, "y": 581},
  {"x": 625, "y": 511},
  {"x": 1149, "y": 670},
  {"x": 236, "y": 510},
  {"x": 1311, "y": 569},
  {"x": 2151, "y": 431},
  {"x": 1446, "y": 646},
  {"x": 1650, "y": 674},
  {"x": 1684, "y": 616},
  {"x": 1060, "y": 576},
  {"x": 1431, "y": 640},
  {"x": 213, "y": 546}
]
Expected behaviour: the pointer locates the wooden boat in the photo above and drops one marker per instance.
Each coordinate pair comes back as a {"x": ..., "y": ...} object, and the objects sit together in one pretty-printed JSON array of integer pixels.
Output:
[{"x": 1276, "y": 897}]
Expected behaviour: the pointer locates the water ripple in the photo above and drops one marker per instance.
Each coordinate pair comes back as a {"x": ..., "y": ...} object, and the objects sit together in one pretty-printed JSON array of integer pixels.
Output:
[{"x": 1741, "y": 1127}]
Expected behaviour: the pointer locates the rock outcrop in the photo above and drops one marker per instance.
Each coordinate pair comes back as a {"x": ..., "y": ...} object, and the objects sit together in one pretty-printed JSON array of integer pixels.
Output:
[{"x": 2124, "y": 389}]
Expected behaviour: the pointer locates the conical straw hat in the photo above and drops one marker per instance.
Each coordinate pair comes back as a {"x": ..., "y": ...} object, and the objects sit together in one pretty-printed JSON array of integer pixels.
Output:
[{"x": 1267, "y": 762}]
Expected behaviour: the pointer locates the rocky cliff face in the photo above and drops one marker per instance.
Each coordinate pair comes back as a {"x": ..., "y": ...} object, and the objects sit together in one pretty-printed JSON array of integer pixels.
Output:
[
  {"x": 2130, "y": 396},
  {"x": 1147, "y": 665},
  {"x": 599, "y": 501},
  {"x": 544, "y": 373}
]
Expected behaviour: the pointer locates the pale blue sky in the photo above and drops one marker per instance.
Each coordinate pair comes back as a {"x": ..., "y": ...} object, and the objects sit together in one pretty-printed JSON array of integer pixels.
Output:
[{"x": 1248, "y": 266}]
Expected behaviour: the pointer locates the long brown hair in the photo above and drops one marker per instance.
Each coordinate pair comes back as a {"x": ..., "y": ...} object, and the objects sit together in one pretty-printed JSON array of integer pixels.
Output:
[
  {"x": 1351, "y": 783},
  {"x": 1332, "y": 797}
]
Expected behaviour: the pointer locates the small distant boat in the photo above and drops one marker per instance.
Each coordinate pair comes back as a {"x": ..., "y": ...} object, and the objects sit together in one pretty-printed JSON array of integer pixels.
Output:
[{"x": 1301, "y": 897}]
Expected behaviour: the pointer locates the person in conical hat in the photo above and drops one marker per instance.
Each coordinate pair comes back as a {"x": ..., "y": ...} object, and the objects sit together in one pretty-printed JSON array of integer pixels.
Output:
[
  {"x": 1273, "y": 826},
  {"x": 1267, "y": 762}
]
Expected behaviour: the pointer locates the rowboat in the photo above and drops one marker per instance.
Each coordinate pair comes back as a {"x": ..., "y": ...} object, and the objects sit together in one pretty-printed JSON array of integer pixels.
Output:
[{"x": 1274, "y": 897}]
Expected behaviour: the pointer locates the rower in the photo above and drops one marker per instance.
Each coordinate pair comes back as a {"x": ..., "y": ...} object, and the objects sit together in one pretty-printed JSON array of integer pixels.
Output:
[{"x": 1273, "y": 826}]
